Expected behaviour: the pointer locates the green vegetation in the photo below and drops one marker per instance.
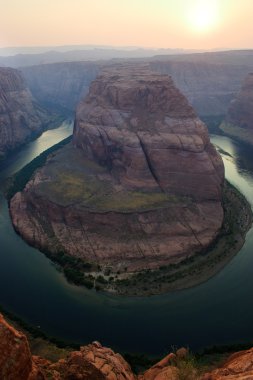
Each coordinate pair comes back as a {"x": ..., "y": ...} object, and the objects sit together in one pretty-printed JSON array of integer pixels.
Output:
[
  {"x": 75, "y": 269},
  {"x": 88, "y": 184}
]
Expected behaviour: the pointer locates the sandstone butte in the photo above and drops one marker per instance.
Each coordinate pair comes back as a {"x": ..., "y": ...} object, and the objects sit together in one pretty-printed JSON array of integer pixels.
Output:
[
  {"x": 239, "y": 119},
  {"x": 20, "y": 115},
  {"x": 139, "y": 187},
  {"x": 95, "y": 362}
]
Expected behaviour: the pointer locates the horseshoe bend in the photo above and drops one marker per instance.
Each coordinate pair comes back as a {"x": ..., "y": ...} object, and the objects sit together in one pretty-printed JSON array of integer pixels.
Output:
[{"x": 140, "y": 187}]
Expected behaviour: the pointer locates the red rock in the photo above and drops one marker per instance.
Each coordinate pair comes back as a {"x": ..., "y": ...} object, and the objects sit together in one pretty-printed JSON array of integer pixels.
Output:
[
  {"x": 239, "y": 366},
  {"x": 15, "y": 356},
  {"x": 113, "y": 366},
  {"x": 136, "y": 137}
]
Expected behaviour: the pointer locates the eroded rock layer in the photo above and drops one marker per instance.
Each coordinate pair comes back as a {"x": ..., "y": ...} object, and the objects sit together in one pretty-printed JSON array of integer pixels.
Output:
[
  {"x": 20, "y": 115},
  {"x": 141, "y": 185}
]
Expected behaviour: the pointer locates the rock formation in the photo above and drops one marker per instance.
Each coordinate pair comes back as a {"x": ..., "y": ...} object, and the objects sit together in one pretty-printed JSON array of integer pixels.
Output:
[
  {"x": 15, "y": 356},
  {"x": 95, "y": 362},
  {"x": 20, "y": 115},
  {"x": 239, "y": 366},
  {"x": 239, "y": 119},
  {"x": 141, "y": 185}
]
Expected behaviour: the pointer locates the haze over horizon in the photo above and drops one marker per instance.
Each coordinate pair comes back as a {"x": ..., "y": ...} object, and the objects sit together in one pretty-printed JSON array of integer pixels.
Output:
[{"x": 186, "y": 24}]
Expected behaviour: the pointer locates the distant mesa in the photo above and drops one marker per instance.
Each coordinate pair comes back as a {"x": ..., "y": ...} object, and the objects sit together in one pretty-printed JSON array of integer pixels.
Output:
[{"x": 139, "y": 187}]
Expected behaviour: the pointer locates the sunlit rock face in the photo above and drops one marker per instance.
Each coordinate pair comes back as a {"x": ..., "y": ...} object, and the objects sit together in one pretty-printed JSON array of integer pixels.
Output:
[
  {"x": 142, "y": 128},
  {"x": 141, "y": 185},
  {"x": 20, "y": 116}
]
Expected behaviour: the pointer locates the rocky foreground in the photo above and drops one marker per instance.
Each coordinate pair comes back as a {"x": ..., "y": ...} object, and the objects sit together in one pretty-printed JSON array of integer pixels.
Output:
[
  {"x": 95, "y": 362},
  {"x": 141, "y": 185},
  {"x": 20, "y": 116}
]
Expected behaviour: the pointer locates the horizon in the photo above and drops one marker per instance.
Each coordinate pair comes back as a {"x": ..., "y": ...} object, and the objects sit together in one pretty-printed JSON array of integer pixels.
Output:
[{"x": 188, "y": 25}]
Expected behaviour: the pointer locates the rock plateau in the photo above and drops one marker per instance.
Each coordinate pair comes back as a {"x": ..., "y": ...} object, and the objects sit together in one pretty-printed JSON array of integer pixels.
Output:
[{"x": 140, "y": 186}]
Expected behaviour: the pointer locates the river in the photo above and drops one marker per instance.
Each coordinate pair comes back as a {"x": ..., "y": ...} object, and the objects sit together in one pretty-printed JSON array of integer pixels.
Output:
[{"x": 219, "y": 311}]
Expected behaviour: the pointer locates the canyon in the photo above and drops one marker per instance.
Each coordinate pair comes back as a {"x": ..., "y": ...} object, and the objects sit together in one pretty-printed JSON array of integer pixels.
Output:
[
  {"x": 21, "y": 117},
  {"x": 209, "y": 80},
  {"x": 142, "y": 182}
]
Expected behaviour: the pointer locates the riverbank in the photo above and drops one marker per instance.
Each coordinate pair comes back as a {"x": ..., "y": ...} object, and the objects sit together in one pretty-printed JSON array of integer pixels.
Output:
[
  {"x": 199, "y": 268},
  {"x": 186, "y": 274}
]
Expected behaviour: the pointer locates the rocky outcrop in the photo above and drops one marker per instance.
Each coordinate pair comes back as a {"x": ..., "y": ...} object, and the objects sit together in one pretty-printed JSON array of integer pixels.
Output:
[
  {"x": 20, "y": 116},
  {"x": 15, "y": 356},
  {"x": 142, "y": 183},
  {"x": 95, "y": 362},
  {"x": 239, "y": 366},
  {"x": 143, "y": 129}
]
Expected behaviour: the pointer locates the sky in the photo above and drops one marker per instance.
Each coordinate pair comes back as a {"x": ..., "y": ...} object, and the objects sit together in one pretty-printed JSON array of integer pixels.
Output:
[{"x": 188, "y": 24}]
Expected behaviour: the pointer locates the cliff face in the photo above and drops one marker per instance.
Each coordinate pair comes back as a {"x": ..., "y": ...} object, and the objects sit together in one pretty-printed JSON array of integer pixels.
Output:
[
  {"x": 143, "y": 130},
  {"x": 208, "y": 86},
  {"x": 239, "y": 119},
  {"x": 240, "y": 112},
  {"x": 20, "y": 115},
  {"x": 60, "y": 85},
  {"x": 142, "y": 183}
]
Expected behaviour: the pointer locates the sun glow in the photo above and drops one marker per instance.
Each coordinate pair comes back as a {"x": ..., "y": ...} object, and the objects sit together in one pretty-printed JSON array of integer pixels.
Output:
[{"x": 203, "y": 16}]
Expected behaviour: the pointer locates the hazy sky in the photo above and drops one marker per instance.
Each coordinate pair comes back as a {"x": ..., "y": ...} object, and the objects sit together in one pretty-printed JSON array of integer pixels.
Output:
[{"x": 150, "y": 23}]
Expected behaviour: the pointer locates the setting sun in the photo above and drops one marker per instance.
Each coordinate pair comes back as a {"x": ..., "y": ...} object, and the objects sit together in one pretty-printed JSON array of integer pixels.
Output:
[{"x": 203, "y": 16}]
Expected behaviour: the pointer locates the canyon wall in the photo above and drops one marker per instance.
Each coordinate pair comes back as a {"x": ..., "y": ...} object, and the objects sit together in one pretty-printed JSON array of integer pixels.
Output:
[
  {"x": 238, "y": 122},
  {"x": 60, "y": 85},
  {"x": 20, "y": 115},
  {"x": 209, "y": 87},
  {"x": 209, "y": 82}
]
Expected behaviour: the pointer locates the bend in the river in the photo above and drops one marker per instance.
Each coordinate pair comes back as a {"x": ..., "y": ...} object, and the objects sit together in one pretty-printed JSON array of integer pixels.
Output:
[{"x": 217, "y": 312}]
